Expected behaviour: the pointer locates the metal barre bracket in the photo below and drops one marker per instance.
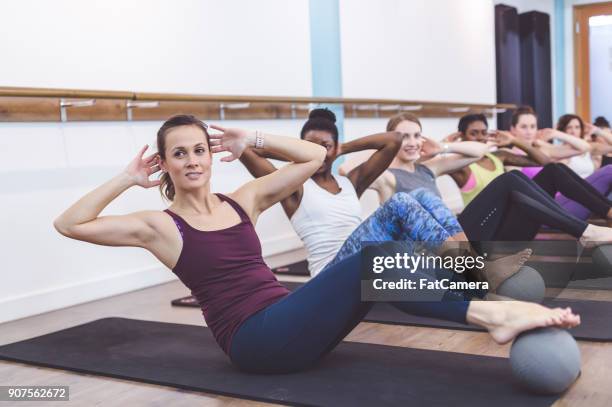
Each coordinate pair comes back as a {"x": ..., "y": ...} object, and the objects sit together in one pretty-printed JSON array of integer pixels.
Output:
[{"x": 64, "y": 103}]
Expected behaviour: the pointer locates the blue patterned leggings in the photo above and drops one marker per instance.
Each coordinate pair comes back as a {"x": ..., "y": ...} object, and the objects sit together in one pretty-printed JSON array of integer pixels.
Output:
[{"x": 419, "y": 216}]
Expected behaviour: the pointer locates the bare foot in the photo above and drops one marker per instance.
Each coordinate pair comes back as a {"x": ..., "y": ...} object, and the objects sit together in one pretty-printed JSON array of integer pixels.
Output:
[
  {"x": 506, "y": 319},
  {"x": 498, "y": 271},
  {"x": 596, "y": 235}
]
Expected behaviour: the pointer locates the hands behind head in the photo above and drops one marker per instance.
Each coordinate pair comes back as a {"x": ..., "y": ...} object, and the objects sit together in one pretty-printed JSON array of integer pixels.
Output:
[
  {"x": 589, "y": 129},
  {"x": 502, "y": 138},
  {"x": 453, "y": 137},
  {"x": 592, "y": 130},
  {"x": 339, "y": 150},
  {"x": 430, "y": 147},
  {"x": 235, "y": 141},
  {"x": 546, "y": 134},
  {"x": 140, "y": 169}
]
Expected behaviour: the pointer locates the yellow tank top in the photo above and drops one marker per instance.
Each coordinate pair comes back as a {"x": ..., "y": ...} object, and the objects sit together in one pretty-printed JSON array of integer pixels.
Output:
[{"x": 480, "y": 178}]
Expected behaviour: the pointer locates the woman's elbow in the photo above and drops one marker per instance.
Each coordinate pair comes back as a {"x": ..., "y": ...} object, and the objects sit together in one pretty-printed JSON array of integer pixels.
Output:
[
  {"x": 395, "y": 139},
  {"x": 481, "y": 150},
  {"x": 62, "y": 228},
  {"x": 320, "y": 155},
  {"x": 545, "y": 160},
  {"x": 579, "y": 151}
]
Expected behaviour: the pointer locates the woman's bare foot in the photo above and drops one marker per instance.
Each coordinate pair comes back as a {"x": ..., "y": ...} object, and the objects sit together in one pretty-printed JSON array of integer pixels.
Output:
[
  {"x": 453, "y": 247},
  {"x": 506, "y": 319},
  {"x": 497, "y": 271},
  {"x": 462, "y": 237},
  {"x": 596, "y": 235}
]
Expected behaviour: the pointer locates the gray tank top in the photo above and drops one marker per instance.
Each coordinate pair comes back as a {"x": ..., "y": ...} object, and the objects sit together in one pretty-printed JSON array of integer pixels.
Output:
[{"x": 422, "y": 177}]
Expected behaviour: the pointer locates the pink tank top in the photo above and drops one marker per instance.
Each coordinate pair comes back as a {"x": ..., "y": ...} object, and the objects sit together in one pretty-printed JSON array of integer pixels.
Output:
[{"x": 226, "y": 273}]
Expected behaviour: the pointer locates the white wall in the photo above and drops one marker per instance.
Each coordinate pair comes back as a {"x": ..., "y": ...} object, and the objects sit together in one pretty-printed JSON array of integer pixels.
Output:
[
  {"x": 192, "y": 46},
  {"x": 439, "y": 50}
]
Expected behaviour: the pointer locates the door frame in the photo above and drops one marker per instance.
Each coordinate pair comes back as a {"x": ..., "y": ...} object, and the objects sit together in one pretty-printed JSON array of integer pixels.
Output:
[{"x": 582, "y": 87}]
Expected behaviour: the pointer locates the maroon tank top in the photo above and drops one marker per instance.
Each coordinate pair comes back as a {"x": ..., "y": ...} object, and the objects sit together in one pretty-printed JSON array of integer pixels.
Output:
[{"x": 226, "y": 274}]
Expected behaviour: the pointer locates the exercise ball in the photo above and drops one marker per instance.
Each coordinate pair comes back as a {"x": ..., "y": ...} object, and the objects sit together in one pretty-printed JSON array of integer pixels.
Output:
[
  {"x": 602, "y": 259},
  {"x": 545, "y": 360},
  {"x": 525, "y": 285}
]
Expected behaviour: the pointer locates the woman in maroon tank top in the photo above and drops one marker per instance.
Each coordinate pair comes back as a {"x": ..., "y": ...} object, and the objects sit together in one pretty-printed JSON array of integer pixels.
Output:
[{"x": 209, "y": 241}]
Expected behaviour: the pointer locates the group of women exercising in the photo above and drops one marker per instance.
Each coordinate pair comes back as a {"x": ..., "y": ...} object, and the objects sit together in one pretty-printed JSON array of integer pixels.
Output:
[
  {"x": 208, "y": 239},
  {"x": 503, "y": 205}
]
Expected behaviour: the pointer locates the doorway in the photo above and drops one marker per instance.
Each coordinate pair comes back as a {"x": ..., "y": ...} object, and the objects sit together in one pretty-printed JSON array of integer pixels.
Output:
[{"x": 593, "y": 60}]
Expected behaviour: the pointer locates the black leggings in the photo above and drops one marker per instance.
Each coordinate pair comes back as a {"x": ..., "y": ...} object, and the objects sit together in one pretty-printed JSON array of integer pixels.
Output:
[
  {"x": 555, "y": 177},
  {"x": 513, "y": 208}
]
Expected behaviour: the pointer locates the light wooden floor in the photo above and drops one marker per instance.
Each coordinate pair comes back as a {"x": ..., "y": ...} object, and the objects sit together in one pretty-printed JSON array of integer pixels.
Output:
[{"x": 592, "y": 389}]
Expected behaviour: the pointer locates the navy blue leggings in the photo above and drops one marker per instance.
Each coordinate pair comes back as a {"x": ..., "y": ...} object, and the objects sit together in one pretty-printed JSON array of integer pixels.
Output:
[{"x": 298, "y": 330}]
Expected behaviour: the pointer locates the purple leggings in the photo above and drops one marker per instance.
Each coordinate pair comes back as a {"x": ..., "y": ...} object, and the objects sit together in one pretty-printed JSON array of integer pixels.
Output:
[{"x": 601, "y": 180}]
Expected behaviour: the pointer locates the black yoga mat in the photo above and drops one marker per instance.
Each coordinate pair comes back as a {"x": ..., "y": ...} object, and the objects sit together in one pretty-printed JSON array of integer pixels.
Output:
[
  {"x": 582, "y": 275},
  {"x": 592, "y": 284},
  {"x": 354, "y": 374},
  {"x": 296, "y": 269},
  {"x": 596, "y": 319},
  {"x": 596, "y": 316}
]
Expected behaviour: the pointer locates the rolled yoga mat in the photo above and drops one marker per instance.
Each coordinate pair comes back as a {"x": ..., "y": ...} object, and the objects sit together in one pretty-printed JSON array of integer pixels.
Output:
[
  {"x": 354, "y": 374},
  {"x": 295, "y": 269},
  {"x": 596, "y": 316}
]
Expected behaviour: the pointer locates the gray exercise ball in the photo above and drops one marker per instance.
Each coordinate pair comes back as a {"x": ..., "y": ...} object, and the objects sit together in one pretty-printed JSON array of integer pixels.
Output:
[
  {"x": 525, "y": 285},
  {"x": 545, "y": 360},
  {"x": 602, "y": 259}
]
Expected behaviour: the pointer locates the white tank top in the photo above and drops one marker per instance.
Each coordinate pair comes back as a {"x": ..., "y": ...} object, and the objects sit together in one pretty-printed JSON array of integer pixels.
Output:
[
  {"x": 582, "y": 164},
  {"x": 324, "y": 221}
]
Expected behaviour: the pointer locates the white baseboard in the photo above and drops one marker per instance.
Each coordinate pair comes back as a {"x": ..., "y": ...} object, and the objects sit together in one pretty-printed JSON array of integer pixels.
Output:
[{"x": 54, "y": 298}]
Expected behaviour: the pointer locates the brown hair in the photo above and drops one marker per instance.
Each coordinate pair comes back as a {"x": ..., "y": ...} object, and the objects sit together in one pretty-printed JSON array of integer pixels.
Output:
[
  {"x": 166, "y": 188},
  {"x": 398, "y": 118},
  {"x": 520, "y": 111},
  {"x": 566, "y": 119}
]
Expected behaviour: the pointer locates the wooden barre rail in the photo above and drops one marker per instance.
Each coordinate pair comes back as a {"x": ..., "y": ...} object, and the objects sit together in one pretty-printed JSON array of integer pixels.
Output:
[{"x": 40, "y": 104}]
